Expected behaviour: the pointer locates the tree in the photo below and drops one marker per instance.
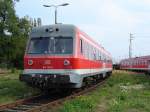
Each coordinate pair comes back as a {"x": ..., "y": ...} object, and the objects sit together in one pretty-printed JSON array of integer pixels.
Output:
[
  {"x": 13, "y": 34},
  {"x": 7, "y": 17}
]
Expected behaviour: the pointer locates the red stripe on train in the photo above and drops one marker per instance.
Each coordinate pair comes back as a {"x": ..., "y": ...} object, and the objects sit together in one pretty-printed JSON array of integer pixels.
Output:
[{"x": 58, "y": 63}]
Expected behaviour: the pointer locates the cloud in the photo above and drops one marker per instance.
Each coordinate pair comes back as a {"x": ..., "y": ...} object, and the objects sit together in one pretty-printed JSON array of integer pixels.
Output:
[
  {"x": 118, "y": 16},
  {"x": 140, "y": 2}
]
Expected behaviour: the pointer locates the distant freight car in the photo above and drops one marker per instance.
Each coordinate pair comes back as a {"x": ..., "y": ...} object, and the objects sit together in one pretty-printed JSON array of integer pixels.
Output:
[
  {"x": 62, "y": 56},
  {"x": 141, "y": 64}
]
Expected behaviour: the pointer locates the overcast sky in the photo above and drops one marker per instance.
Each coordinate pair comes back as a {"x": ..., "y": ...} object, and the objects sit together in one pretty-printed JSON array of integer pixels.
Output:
[{"x": 109, "y": 22}]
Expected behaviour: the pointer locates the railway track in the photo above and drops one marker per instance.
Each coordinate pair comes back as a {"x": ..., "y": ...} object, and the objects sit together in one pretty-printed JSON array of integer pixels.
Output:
[
  {"x": 130, "y": 72},
  {"x": 45, "y": 102}
]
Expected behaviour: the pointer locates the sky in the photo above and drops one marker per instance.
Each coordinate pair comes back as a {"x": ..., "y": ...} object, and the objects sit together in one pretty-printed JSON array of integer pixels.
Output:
[{"x": 108, "y": 22}]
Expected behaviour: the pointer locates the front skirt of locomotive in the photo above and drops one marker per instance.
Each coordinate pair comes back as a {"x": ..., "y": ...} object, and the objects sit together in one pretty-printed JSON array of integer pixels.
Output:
[{"x": 49, "y": 80}]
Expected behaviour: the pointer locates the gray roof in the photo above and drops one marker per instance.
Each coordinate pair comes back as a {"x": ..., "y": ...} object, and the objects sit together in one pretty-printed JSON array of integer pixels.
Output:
[{"x": 53, "y": 30}]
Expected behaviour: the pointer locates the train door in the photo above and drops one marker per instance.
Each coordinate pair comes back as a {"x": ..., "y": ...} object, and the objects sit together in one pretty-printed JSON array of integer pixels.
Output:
[
  {"x": 148, "y": 67},
  {"x": 149, "y": 64},
  {"x": 90, "y": 55}
]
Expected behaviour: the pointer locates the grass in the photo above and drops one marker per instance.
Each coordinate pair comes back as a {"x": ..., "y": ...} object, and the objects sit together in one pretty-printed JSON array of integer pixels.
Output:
[
  {"x": 123, "y": 92},
  {"x": 11, "y": 89}
]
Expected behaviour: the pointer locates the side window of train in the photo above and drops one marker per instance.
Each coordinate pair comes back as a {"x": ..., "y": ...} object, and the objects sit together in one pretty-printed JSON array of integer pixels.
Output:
[
  {"x": 102, "y": 57},
  {"x": 94, "y": 54},
  {"x": 92, "y": 51},
  {"x": 81, "y": 46},
  {"x": 139, "y": 62},
  {"x": 106, "y": 59},
  {"x": 145, "y": 62},
  {"x": 89, "y": 51},
  {"x": 99, "y": 55},
  {"x": 84, "y": 48}
]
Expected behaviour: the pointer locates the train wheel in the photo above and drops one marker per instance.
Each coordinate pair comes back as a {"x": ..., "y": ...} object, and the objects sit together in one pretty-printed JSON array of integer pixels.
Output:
[{"x": 104, "y": 75}]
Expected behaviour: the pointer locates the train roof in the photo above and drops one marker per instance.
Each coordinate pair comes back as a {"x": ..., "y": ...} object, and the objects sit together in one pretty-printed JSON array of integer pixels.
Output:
[
  {"x": 71, "y": 29},
  {"x": 97, "y": 44},
  {"x": 64, "y": 26},
  {"x": 53, "y": 30},
  {"x": 137, "y": 58}
]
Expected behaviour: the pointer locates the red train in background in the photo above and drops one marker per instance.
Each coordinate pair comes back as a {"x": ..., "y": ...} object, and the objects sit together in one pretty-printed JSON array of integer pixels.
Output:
[
  {"x": 140, "y": 64},
  {"x": 62, "y": 56}
]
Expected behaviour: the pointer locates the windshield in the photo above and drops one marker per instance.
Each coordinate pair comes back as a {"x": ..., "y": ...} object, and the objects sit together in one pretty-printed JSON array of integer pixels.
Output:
[{"x": 51, "y": 45}]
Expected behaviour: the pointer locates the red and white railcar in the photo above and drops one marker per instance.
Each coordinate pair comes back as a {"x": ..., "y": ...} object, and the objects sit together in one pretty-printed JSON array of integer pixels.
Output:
[
  {"x": 63, "y": 56},
  {"x": 136, "y": 64}
]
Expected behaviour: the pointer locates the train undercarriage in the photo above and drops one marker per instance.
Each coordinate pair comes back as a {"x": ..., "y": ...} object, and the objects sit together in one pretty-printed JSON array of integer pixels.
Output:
[{"x": 49, "y": 81}]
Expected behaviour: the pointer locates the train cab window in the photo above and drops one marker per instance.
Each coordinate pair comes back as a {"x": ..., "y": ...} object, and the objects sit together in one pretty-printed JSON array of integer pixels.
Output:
[
  {"x": 38, "y": 46},
  {"x": 81, "y": 46},
  {"x": 62, "y": 45},
  {"x": 51, "y": 45}
]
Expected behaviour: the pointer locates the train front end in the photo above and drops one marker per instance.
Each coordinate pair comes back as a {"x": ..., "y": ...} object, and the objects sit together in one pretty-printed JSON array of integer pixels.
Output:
[{"x": 49, "y": 58}]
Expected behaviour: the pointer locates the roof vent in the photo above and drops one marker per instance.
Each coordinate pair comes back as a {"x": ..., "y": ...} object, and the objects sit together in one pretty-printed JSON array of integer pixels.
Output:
[
  {"x": 57, "y": 29},
  {"x": 46, "y": 30},
  {"x": 50, "y": 30}
]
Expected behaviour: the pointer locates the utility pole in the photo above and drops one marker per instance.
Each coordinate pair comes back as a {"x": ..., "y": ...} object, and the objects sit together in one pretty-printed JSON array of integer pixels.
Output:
[
  {"x": 55, "y": 15},
  {"x": 130, "y": 45}
]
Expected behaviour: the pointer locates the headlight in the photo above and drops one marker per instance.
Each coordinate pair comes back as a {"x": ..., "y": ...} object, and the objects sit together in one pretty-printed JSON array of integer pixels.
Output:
[
  {"x": 30, "y": 62},
  {"x": 66, "y": 62}
]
